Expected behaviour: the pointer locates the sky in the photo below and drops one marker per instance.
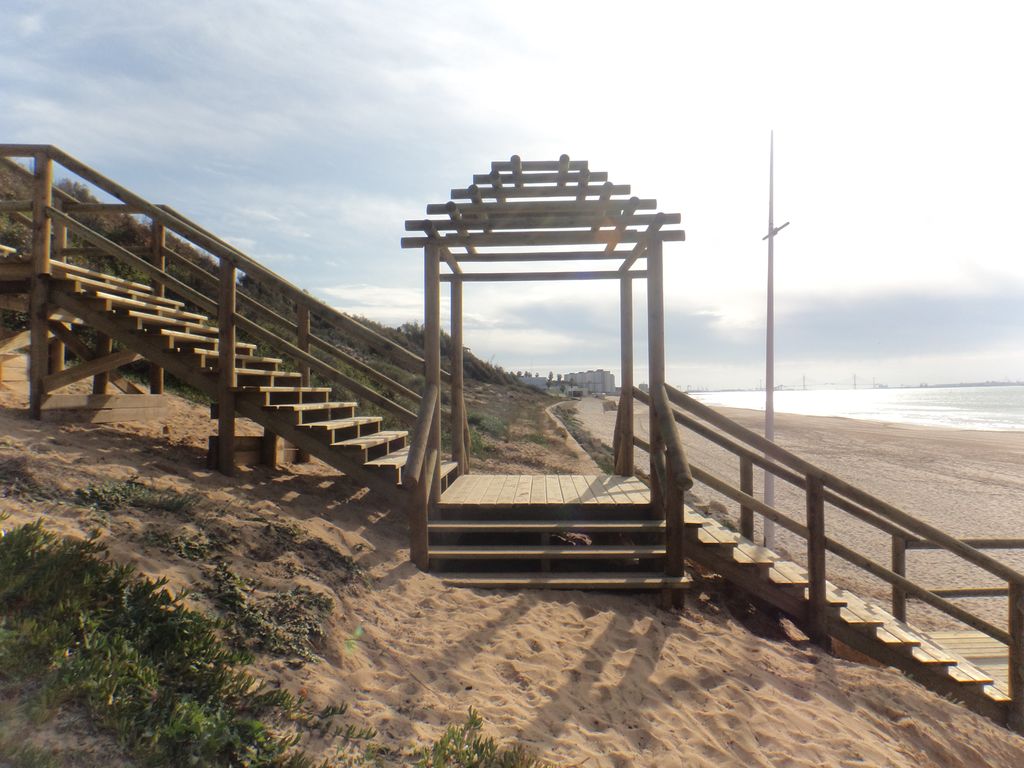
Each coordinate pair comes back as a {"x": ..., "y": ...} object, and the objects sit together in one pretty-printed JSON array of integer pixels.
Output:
[{"x": 306, "y": 133}]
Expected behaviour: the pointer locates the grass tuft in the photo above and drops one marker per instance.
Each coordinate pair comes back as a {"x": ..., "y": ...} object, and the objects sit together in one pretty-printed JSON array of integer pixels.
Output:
[
  {"x": 113, "y": 495},
  {"x": 464, "y": 746}
]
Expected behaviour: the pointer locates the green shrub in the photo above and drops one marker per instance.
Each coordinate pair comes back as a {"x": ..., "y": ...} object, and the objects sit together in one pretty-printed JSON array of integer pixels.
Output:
[
  {"x": 124, "y": 494},
  {"x": 463, "y": 746},
  {"x": 148, "y": 670}
]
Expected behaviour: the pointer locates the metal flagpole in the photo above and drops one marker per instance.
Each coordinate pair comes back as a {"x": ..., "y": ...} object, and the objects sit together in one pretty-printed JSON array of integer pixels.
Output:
[{"x": 769, "y": 376}]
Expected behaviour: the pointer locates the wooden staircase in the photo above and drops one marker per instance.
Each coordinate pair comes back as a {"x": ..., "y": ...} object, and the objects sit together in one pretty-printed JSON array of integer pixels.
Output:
[
  {"x": 549, "y": 532},
  {"x": 185, "y": 343}
]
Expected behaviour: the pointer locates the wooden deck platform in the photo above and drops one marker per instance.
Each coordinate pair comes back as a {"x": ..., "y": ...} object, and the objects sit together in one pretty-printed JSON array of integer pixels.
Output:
[
  {"x": 986, "y": 653},
  {"x": 544, "y": 490}
]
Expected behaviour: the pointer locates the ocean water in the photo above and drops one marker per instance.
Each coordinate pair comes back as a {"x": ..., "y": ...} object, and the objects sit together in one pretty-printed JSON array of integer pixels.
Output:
[{"x": 984, "y": 408}]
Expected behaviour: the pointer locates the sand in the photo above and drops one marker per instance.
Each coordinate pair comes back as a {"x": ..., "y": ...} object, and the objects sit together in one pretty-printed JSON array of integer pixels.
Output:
[
  {"x": 967, "y": 483},
  {"x": 583, "y": 679}
]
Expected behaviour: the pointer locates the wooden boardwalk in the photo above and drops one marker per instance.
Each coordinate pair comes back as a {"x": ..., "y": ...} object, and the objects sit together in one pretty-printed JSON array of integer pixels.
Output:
[
  {"x": 544, "y": 490},
  {"x": 986, "y": 653}
]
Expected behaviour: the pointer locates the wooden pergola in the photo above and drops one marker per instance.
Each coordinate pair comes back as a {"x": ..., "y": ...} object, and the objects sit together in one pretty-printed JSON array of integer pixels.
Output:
[{"x": 554, "y": 213}]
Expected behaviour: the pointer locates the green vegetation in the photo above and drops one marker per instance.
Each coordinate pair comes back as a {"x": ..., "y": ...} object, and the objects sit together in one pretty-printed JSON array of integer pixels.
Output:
[
  {"x": 113, "y": 495},
  {"x": 148, "y": 671},
  {"x": 463, "y": 746},
  {"x": 284, "y": 623}
]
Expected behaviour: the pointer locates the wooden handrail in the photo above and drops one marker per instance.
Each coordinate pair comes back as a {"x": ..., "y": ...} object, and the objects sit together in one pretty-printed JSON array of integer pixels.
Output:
[
  {"x": 680, "y": 471},
  {"x": 270, "y": 314},
  {"x": 420, "y": 437},
  {"x": 245, "y": 324},
  {"x": 874, "y": 504},
  {"x": 404, "y": 357}
]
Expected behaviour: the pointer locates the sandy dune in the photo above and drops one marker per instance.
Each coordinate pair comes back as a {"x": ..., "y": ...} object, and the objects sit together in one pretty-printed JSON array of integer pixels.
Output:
[{"x": 583, "y": 679}]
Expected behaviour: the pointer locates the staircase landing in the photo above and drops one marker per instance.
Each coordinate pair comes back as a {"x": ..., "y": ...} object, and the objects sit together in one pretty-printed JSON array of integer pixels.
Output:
[{"x": 544, "y": 490}]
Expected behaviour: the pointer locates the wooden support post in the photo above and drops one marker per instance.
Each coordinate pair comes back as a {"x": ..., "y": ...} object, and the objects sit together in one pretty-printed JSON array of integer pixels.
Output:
[
  {"x": 59, "y": 244},
  {"x": 817, "y": 605},
  {"x": 624, "y": 421},
  {"x": 39, "y": 353},
  {"x": 899, "y": 567},
  {"x": 432, "y": 353},
  {"x": 1015, "y": 717},
  {"x": 104, "y": 347},
  {"x": 656, "y": 363},
  {"x": 269, "y": 444},
  {"x": 460, "y": 445},
  {"x": 747, "y": 486},
  {"x": 302, "y": 334},
  {"x": 226, "y": 298},
  {"x": 158, "y": 258}
]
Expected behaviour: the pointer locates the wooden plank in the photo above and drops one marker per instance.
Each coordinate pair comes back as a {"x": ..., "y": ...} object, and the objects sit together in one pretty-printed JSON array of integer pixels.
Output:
[
  {"x": 523, "y": 489},
  {"x": 747, "y": 487},
  {"x": 567, "y": 581},
  {"x": 528, "y": 277},
  {"x": 538, "y": 491},
  {"x": 568, "y": 489},
  {"x": 508, "y": 490},
  {"x": 550, "y": 526},
  {"x": 1015, "y": 670},
  {"x": 490, "y": 494},
  {"x": 545, "y": 191},
  {"x": 15, "y": 341},
  {"x": 545, "y": 221},
  {"x": 106, "y": 415},
  {"x": 816, "y": 616},
  {"x": 95, "y": 402},
  {"x": 227, "y": 292},
  {"x": 91, "y": 368},
  {"x": 481, "y": 211},
  {"x": 602, "y": 237},
  {"x": 524, "y": 552},
  {"x": 583, "y": 492}
]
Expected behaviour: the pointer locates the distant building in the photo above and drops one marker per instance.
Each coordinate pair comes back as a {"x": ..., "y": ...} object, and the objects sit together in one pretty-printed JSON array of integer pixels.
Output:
[
  {"x": 599, "y": 382},
  {"x": 538, "y": 382}
]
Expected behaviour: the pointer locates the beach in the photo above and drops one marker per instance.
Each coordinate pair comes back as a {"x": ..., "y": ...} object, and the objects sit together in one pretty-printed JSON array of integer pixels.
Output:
[{"x": 968, "y": 483}]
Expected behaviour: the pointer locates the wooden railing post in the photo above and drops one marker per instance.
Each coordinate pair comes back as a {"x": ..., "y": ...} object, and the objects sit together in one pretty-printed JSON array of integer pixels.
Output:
[
  {"x": 39, "y": 354},
  {"x": 460, "y": 446},
  {"x": 817, "y": 604},
  {"x": 624, "y": 417},
  {"x": 747, "y": 486},
  {"x": 226, "y": 380},
  {"x": 302, "y": 334},
  {"x": 899, "y": 567},
  {"x": 104, "y": 346},
  {"x": 655, "y": 361},
  {"x": 158, "y": 259},
  {"x": 1015, "y": 717},
  {"x": 59, "y": 243},
  {"x": 432, "y": 366}
]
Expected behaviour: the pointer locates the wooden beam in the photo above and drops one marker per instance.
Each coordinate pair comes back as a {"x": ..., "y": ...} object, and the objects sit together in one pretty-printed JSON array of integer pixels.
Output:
[
  {"x": 514, "y": 256},
  {"x": 540, "y": 177},
  {"x": 39, "y": 355},
  {"x": 817, "y": 605},
  {"x": 81, "y": 350},
  {"x": 655, "y": 346},
  {"x": 747, "y": 486},
  {"x": 157, "y": 240},
  {"x": 460, "y": 443},
  {"x": 93, "y": 367},
  {"x": 553, "y": 190},
  {"x": 15, "y": 206},
  {"x": 544, "y": 207},
  {"x": 539, "y": 165},
  {"x": 226, "y": 378},
  {"x": 554, "y": 237},
  {"x": 1015, "y": 717},
  {"x": 462, "y": 221},
  {"x": 505, "y": 277},
  {"x": 624, "y": 459},
  {"x": 899, "y": 567},
  {"x": 104, "y": 347},
  {"x": 15, "y": 341}
]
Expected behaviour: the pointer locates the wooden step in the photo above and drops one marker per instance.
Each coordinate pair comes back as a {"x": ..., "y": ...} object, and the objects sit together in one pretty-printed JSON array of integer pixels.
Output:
[
  {"x": 304, "y": 413},
  {"x": 145, "y": 321},
  {"x": 395, "y": 462},
  {"x": 352, "y": 421},
  {"x": 112, "y": 301},
  {"x": 547, "y": 526},
  {"x": 567, "y": 581},
  {"x": 550, "y": 552},
  {"x": 64, "y": 268},
  {"x": 210, "y": 360},
  {"x": 374, "y": 446},
  {"x": 184, "y": 337},
  {"x": 89, "y": 288}
]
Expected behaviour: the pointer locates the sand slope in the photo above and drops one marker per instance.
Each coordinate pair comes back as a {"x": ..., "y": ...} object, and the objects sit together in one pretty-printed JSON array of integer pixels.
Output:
[{"x": 584, "y": 679}]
